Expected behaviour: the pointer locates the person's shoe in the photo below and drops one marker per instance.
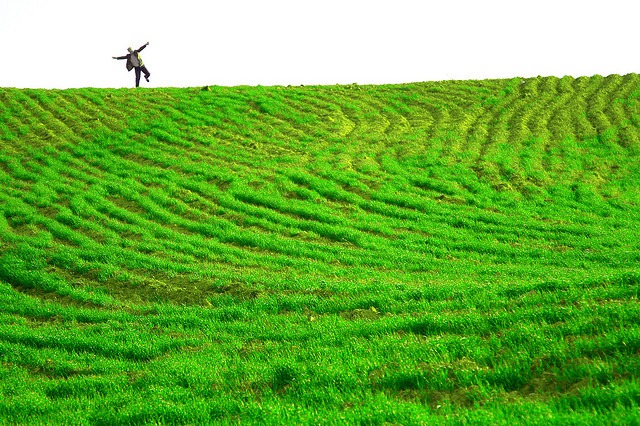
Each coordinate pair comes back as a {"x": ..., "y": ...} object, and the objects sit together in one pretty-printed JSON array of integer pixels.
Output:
[{"x": 146, "y": 77}]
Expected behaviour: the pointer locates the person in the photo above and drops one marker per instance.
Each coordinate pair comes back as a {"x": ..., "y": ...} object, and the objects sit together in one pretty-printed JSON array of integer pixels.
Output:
[{"x": 134, "y": 61}]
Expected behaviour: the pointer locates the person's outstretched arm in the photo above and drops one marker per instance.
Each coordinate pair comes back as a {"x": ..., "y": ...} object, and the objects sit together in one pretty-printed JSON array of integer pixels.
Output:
[
  {"x": 120, "y": 57},
  {"x": 143, "y": 46}
]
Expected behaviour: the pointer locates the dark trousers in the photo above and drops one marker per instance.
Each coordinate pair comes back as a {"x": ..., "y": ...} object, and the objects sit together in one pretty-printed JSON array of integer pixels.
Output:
[{"x": 146, "y": 74}]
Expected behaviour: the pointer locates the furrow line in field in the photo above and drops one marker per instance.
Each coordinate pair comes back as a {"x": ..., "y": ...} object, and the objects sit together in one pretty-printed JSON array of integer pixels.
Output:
[
  {"x": 51, "y": 209},
  {"x": 273, "y": 127},
  {"x": 108, "y": 113},
  {"x": 270, "y": 132},
  {"x": 616, "y": 99},
  {"x": 519, "y": 123},
  {"x": 265, "y": 141},
  {"x": 542, "y": 109},
  {"x": 233, "y": 134},
  {"x": 387, "y": 123},
  {"x": 483, "y": 116},
  {"x": 79, "y": 163},
  {"x": 621, "y": 104},
  {"x": 428, "y": 213},
  {"x": 166, "y": 152},
  {"x": 144, "y": 231},
  {"x": 258, "y": 210},
  {"x": 546, "y": 96},
  {"x": 64, "y": 118},
  {"x": 492, "y": 135},
  {"x": 621, "y": 111},
  {"x": 17, "y": 175},
  {"x": 357, "y": 115},
  {"x": 366, "y": 112},
  {"x": 457, "y": 104},
  {"x": 575, "y": 127},
  {"x": 496, "y": 106},
  {"x": 631, "y": 90},
  {"x": 507, "y": 143},
  {"x": 594, "y": 128},
  {"x": 327, "y": 188},
  {"x": 596, "y": 103},
  {"x": 50, "y": 219},
  {"x": 152, "y": 162},
  {"x": 11, "y": 120},
  {"x": 330, "y": 229},
  {"x": 355, "y": 126},
  {"x": 244, "y": 239},
  {"x": 37, "y": 119},
  {"x": 80, "y": 120},
  {"x": 121, "y": 345},
  {"x": 559, "y": 151},
  {"x": 560, "y": 123},
  {"x": 184, "y": 110},
  {"x": 536, "y": 96},
  {"x": 605, "y": 109},
  {"x": 457, "y": 94},
  {"x": 326, "y": 224},
  {"x": 624, "y": 110},
  {"x": 585, "y": 87},
  {"x": 92, "y": 121},
  {"x": 119, "y": 230},
  {"x": 327, "y": 121},
  {"x": 294, "y": 108},
  {"x": 428, "y": 114},
  {"x": 197, "y": 204},
  {"x": 549, "y": 130}
]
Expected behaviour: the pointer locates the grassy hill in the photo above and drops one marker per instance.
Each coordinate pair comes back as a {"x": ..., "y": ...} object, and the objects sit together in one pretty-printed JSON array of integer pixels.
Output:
[{"x": 429, "y": 253}]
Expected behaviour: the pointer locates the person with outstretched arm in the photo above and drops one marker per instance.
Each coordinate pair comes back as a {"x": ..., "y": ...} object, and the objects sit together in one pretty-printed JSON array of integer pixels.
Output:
[{"x": 134, "y": 61}]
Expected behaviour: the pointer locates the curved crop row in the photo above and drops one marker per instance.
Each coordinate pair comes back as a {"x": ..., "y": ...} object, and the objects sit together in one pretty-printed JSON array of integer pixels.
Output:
[{"x": 398, "y": 170}]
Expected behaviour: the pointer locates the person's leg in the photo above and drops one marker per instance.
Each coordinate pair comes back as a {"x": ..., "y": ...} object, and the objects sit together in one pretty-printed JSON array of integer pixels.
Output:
[
  {"x": 146, "y": 72},
  {"x": 137, "y": 76}
]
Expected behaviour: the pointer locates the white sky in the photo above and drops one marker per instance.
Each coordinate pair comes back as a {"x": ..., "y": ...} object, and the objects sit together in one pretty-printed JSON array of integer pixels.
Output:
[{"x": 69, "y": 43}]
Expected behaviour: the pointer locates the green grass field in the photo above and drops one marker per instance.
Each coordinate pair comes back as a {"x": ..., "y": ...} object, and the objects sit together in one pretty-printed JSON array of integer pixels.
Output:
[{"x": 432, "y": 253}]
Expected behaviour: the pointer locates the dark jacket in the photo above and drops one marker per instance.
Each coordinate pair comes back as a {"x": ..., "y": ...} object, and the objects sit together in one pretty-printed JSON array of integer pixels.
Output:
[{"x": 128, "y": 57}]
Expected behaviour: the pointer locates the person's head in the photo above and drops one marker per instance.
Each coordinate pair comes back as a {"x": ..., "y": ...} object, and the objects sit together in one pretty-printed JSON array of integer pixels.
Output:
[{"x": 130, "y": 50}]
